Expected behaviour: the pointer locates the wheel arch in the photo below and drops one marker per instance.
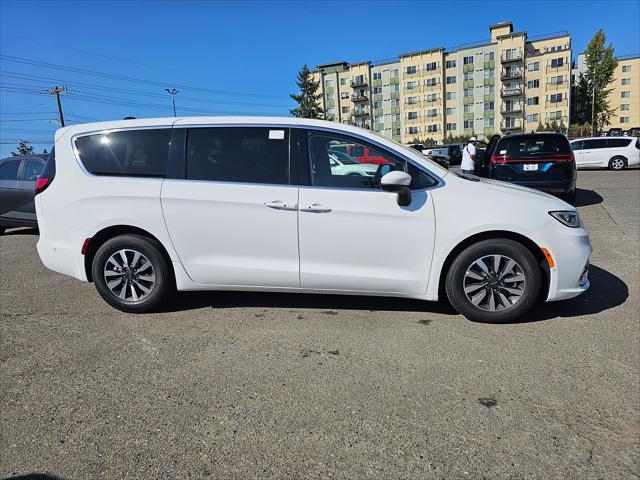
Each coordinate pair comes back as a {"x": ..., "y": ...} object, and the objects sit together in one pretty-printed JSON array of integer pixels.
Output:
[
  {"x": 112, "y": 231},
  {"x": 529, "y": 244},
  {"x": 622, "y": 157}
]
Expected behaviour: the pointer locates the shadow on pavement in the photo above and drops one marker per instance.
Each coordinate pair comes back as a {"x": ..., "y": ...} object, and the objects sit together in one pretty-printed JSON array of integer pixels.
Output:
[
  {"x": 584, "y": 198},
  {"x": 606, "y": 291},
  {"x": 194, "y": 300},
  {"x": 20, "y": 231},
  {"x": 35, "y": 476}
]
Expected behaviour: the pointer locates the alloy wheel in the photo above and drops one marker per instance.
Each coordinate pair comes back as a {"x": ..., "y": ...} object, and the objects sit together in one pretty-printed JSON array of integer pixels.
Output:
[
  {"x": 494, "y": 283},
  {"x": 617, "y": 164},
  {"x": 129, "y": 275}
]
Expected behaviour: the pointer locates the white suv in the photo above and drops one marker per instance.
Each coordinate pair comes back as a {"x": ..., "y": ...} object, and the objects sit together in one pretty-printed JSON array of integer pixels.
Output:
[
  {"x": 143, "y": 207},
  {"x": 615, "y": 153}
]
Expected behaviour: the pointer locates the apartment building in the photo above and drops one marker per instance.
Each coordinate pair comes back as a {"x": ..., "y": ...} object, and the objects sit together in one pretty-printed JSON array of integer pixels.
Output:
[{"x": 509, "y": 83}]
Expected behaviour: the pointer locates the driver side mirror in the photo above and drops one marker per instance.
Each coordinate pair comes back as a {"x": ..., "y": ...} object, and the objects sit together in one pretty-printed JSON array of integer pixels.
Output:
[{"x": 398, "y": 182}]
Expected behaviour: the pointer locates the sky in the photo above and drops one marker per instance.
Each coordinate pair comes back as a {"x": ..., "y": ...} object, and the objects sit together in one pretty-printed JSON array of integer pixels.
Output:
[{"x": 237, "y": 57}]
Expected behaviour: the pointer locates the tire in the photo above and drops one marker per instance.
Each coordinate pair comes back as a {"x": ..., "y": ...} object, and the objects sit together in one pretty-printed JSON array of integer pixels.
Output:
[
  {"x": 617, "y": 163},
  {"x": 506, "y": 309},
  {"x": 135, "y": 278},
  {"x": 2, "y": 230}
]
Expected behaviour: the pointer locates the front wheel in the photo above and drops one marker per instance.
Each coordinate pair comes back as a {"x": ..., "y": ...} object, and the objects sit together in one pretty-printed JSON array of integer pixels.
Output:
[
  {"x": 617, "y": 163},
  {"x": 131, "y": 274},
  {"x": 494, "y": 281}
]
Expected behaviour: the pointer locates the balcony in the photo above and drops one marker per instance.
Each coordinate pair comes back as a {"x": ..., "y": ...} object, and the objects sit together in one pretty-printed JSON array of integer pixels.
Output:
[
  {"x": 510, "y": 126},
  {"x": 468, "y": 84},
  {"x": 511, "y": 74},
  {"x": 508, "y": 109},
  {"x": 359, "y": 98},
  {"x": 557, "y": 67},
  {"x": 361, "y": 112},
  {"x": 561, "y": 103},
  {"x": 432, "y": 86},
  {"x": 359, "y": 82},
  {"x": 511, "y": 92},
  {"x": 412, "y": 121},
  {"x": 362, "y": 125},
  {"x": 557, "y": 86},
  {"x": 511, "y": 57}
]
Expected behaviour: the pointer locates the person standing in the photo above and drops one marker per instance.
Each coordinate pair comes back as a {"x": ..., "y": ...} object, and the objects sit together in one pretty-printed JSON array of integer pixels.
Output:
[{"x": 468, "y": 164}]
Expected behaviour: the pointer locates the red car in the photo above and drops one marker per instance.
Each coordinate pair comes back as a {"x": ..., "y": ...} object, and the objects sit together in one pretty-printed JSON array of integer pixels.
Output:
[{"x": 362, "y": 154}]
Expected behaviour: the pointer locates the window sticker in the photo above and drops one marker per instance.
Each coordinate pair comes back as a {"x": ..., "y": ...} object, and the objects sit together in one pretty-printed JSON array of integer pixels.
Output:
[{"x": 276, "y": 134}]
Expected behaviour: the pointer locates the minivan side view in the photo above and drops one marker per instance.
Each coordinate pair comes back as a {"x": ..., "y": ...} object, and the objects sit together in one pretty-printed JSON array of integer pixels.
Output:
[
  {"x": 615, "y": 153},
  {"x": 144, "y": 207}
]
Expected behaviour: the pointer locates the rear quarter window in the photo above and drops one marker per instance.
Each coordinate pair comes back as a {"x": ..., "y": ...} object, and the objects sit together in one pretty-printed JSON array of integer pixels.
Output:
[
  {"x": 129, "y": 153},
  {"x": 9, "y": 170},
  {"x": 619, "y": 142},
  {"x": 533, "y": 146}
]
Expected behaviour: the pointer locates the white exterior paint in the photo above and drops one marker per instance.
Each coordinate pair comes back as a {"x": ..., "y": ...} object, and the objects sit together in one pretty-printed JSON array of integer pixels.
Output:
[
  {"x": 600, "y": 157},
  {"x": 229, "y": 236}
]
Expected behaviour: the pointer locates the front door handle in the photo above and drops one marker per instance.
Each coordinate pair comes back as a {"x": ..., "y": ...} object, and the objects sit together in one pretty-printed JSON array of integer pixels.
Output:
[
  {"x": 280, "y": 205},
  {"x": 315, "y": 208}
]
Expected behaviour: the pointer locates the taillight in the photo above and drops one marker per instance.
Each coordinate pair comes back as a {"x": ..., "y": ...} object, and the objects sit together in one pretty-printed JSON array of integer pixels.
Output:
[
  {"x": 559, "y": 157},
  {"x": 42, "y": 182},
  {"x": 498, "y": 159}
]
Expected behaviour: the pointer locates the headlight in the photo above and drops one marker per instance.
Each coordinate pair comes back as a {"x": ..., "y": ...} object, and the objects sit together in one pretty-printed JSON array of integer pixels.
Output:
[{"x": 567, "y": 217}]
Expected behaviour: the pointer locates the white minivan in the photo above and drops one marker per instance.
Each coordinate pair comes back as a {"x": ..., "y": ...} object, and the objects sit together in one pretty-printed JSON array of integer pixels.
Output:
[
  {"x": 616, "y": 153},
  {"x": 144, "y": 207}
]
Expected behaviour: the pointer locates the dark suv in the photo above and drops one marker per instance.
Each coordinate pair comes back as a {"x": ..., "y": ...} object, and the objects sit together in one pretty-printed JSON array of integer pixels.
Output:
[{"x": 543, "y": 161}]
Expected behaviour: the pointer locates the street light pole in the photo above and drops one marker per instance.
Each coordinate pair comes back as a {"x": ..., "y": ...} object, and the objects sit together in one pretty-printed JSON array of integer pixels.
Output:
[
  {"x": 56, "y": 91},
  {"x": 173, "y": 92},
  {"x": 593, "y": 110}
]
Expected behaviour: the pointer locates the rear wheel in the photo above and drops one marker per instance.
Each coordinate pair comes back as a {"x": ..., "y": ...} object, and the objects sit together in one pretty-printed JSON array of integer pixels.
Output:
[
  {"x": 131, "y": 274},
  {"x": 617, "y": 163},
  {"x": 494, "y": 281}
]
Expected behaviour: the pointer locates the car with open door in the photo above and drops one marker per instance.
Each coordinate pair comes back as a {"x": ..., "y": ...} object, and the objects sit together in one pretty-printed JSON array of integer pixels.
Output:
[
  {"x": 18, "y": 177},
  {"x": 145, "y": 207}
]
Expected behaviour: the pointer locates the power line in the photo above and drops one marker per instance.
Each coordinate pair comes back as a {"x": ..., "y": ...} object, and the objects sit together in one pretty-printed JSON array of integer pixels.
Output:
[{"x": 54, "y": 66}]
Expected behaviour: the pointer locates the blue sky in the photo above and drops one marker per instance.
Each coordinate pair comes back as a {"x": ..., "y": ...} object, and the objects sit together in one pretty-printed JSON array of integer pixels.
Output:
[{"x": 238, "y": 57}]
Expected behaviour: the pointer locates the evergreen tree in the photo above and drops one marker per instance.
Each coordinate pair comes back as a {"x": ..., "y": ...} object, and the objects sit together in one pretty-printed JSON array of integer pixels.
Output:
[
  {"x": 23, "y": 149},
  {"x": 308, "y": 99},
  {"x": 592, "y": 85}
]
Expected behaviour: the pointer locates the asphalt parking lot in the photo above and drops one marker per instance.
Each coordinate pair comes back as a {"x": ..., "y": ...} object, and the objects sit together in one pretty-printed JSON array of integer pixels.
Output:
[{"x": 242, "y": 385}]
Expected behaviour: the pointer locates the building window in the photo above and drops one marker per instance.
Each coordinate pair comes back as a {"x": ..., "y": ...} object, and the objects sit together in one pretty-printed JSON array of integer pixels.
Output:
[
  {"x": 557, "y": 115},
  {"x": 467, "y": 108},
  {"x": 451, "y": 126},
  {"x": 411, "y": 69},
  {"x": 411, "y": 85},
  {"x": 625, "y": 106},
  {"x": 533, "y": 66},
  {"x": 488, "y": 57},
  {"x": 412, "y": 115},
  {"x": 344, "y": 95},
  {"x": 328, "y": 83},
  {"x": 488, "y": 89},
  {"x": 488, "y": 122},
  {"x": 432, "y": 128},
  {"x": 343, "y": 81},
  {"x": 412, "y": 100},
  {"x": 488, "y": 106},
  {"x": 533, "y": 83},
  {"x": 557, "y": 62},
  {"x": 431, "y": 82},
  {"x": 532, "y": 117},
  {"x": 468, "y": 60},
  {"x": 533, "y": 101},
  {"x": 432, "y": 113},
  {"x": 626, "y": 81},
  {"x": 468, "y": 92},
  {"x": 412, "y": 130},
  {"x": 625, "y": 94},
  {"x": 395, "y": 102},
  {"x": 395, "y": 87},
  {"x": 451, "y": 80},
  {"x": 432, "y": 97},
  {"x": 555, "y": 98},
  {"x": 394, "y": 73},
  {"x": 626, "y": 68},
  {"x": 468, "y": 76},
  {"x": 451, "y": 95},
  {"x": 377, "y": 104},
  {"x": 377, "y": 75},
  {"x": 468, "y": 124},
  {"x": 489, "y": 73},
  {"x": 624, "y": 119},
  {"x": 377, "y": 90},
  {"x": 452, "y": 64},
  {"x": 451, "y": 111},
  {"x": 430, "y": 67},
  {"x": 345, "y": 109}
]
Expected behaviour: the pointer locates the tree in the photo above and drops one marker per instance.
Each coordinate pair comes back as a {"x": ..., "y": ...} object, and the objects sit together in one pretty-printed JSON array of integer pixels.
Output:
[
  {"x": 592, "y": 92},
  {"x": 23, "y": 149},
  {"x": 309, "y": 97}
]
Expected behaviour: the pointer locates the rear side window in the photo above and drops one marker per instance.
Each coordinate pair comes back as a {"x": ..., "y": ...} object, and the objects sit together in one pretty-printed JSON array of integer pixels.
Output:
[
  {"x": 595, "y": 143},
  {"x": 533, "y": 146},
  {"x": 31, "y": 170},
  {"x": 619, "y": 142},
  {"x": 9, "y": 170},
  {"x": 130, "y": 152},
  {"x": 238, "y": 154},
  {"x": 49, "y": 169}
]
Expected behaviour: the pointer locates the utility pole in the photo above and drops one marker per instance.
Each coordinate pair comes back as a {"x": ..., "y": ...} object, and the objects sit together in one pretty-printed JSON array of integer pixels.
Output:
[
  {"x": 56, "y": 91},
  {"x": 173, "y": 92},
  {"x": 593, "y": 110}
]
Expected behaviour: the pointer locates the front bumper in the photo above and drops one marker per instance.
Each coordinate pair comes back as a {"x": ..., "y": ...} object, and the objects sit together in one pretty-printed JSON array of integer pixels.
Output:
[{"x": 570, "y": 249}]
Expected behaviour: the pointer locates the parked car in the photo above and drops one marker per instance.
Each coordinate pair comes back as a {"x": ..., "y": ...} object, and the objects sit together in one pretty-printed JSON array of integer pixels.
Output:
[
  {"x": 453, "y": 152},
  {"x": 543, "y": 161},
  {"x": 615, "y": 153},
  {"x": 440, "y": 160},
  {"x": 343, "y": 164},
  {"x": 614, "y": 132},
  {"x": 361, "y": 154},
  {"x": 17, "y": 182},
  {"x": 634, "y": 132},
  {"x": 142, "y": 207}
]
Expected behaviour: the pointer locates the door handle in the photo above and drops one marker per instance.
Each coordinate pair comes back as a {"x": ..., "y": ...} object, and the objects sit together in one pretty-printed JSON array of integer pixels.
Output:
[
  {"x": 315, "y": 208},
  {"x": 279, "y": 205}
]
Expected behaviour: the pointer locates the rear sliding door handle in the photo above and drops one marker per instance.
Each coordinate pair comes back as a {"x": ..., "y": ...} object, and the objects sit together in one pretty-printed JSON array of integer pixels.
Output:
[
  {"x": 315, "y": 208},
  {"x": 279, "y": 205}
]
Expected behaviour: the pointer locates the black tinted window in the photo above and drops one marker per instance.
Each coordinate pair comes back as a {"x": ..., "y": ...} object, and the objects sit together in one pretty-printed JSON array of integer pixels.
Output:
[
  {"x": 9, "y": 170},
  {"x": 50, "y": 167},
  {"x": 238, "y": 154},
  {"x": 595, "y": 143},
  {"x": 618, "y": 142},
  {"x": 31, "y": 169},
  {"x": 576, "y": 145},
  {"x": 532, "y": 146},
  {"x": 131, "y": 152},
  {"x": 363, "y": 171}
]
